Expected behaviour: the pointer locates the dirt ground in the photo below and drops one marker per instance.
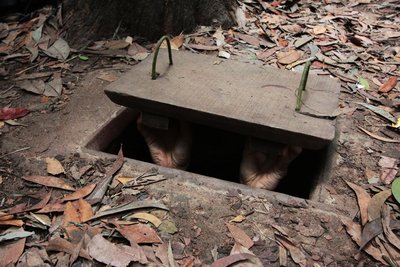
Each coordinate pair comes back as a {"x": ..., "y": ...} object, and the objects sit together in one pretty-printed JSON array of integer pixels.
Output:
[{"x": 324, "y": 230}]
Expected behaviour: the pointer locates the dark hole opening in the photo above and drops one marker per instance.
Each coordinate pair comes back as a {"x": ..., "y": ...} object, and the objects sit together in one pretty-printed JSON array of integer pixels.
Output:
[{"x": 217, "y": 153}]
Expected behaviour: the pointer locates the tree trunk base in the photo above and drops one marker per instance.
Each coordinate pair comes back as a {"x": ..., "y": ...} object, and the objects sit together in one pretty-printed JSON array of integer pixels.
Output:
[{"x": 94, "y": 19}]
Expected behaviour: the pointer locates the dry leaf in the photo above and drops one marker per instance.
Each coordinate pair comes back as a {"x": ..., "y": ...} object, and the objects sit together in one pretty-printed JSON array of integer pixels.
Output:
[
  {"x": 229, "y": 260},
  {"x": 363, "y": 199},
  {"x": 252, "y": 261},
  {"x": 384, "y": 139},
  {"x": 49, "y": 181},
  {"x": 224, "y": 54},
  {"x": 288, "y": 57},
  {"x": 238, "y": 219},
  {"x": 240, "y": 236},
  {"x": 392, "y": 237},
  {"x": 106, "y": 252},
  {"x": 71, "y": 215},
  {"x": 125, "y": 180},
  {"x": 389, "y": 85},
  {"x": 17, "y": 223},
  {"x": 376, "y": 202},
  {"x": 296, "y": 254},
  {"x": 80, "y": 193},
  {"x": 43, "y": 219},
  {"x": 60, "y": 244},
  {"x": 85, "y": 210},
  {"x": 11, "y": 251},
  {"x": 5, "y": 216},
  {"x": 177, "y": 42},
  {"x": 116, "y": 44},
  {"x": 248, "y": 39},
  {"x": 370, "y": 230},
  {"x": 354, "y": 230},
  {"x": 203, "y": 47},
  {"x": 139, "y": 233},
  {"x": 147, "y": 217},
  {"x": 319, "y": 29},
  {"x": 40, "y": 204},
  {"x": 52, "y": 207},
  {"x": 107, "y": 76}
]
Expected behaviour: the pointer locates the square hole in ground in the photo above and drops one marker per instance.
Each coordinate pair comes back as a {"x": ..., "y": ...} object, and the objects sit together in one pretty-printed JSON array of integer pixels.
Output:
[{"x": 215, "y": 153}]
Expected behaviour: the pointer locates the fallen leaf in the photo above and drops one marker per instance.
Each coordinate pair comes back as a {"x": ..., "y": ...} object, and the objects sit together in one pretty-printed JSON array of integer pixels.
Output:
[
  {"x": 12, "y": 113},
  {"x": 137, "y": 52},
  {"x": 18, "y": 223},
  {"x": 49, "y": 181},
  {"x": 43, "y": 219},
  {"x": 383, "y": 139},
  {"x": 83, "y": 57},
  {"x": 60, "y": 50},
  {"x": 224, "y": 54},
  {"x": 389, "y": 85},
  {"x": 52, "y": 207},
  {"x": 108, "y": 77},
  {"x": 240, "y": 236},
  {"x": 296, "y": 254},
  {"x": 5, "y": 216},
  {"x": 302, "y": 41},
  {"x": 33, "y": 86},
  {"x": 379, "y": 111},
  {"x": 171, "y": 261},
  {"x": 116, "y": 44},
  {"x": 392, "y": 237},
  {"x": 252, "y": 261},
  {"x": 389, "y": 169},
  {"x": 34, "y": 257},
  {"x": 396, "y": 189},
  {"x": 102, "y": 186},
  {"x": 85, "y": 210},
  {"x": 11, "y": 251},
  {"x": 375, "y": 204},
  {"x": 363, "y": 199},
  {"x": 161, "y": 252},
  {"x": 106, "y": 252},
  {"x": 319, "y": 29},
  {"x": 80, "y": 193},
  {"x": 370, "y": 230},
  {"x": 71, "y": 214},
  {"x": 147, "y": 217},
  {"x": 238, "y": 219},
  {"x": 139, "y": 233},
  {"x": 125, "y": 180},
  {"x": 203, "y": 47},
  {"x": 354, "y": 230},
  {"x": 288, "y": 57},
  {"x": 254, "y": 41},
  {"x": 53, "y": 88},
  {"x": 60, "y": 244},
  {"x": 40, "y": 204},
  {"x": 14, "y": 235},
  {"x": 363, "y": 83},
  {"x": 54, "y": 167},
  {"x": 177, "y": 42},
  {"x": 168, "y": 227},
  {"x": 229, "y": 260},
  {"x": 131, "y": 206},
  {"x": 219, "y": 37}
]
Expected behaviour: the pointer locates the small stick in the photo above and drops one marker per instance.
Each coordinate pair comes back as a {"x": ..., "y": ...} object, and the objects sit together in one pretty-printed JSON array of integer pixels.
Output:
[
  {"x": 302, "y": 86},
  {"x": 15, "y": 151}
]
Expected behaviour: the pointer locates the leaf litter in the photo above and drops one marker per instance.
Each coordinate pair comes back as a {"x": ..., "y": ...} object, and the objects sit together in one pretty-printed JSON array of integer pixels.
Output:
[{"x": 287, "y": 41}]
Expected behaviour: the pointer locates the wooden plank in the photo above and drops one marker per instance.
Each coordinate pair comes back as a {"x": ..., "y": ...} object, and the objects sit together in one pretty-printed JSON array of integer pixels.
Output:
[{"x": 241, "y": 97}]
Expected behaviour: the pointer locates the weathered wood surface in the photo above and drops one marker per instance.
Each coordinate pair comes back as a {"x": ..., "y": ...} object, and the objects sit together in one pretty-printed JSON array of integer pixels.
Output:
[{"x": 240, "y": 97}]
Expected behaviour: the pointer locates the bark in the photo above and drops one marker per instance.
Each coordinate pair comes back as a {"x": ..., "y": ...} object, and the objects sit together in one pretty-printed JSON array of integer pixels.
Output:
[{"x": 94, "y": 19}]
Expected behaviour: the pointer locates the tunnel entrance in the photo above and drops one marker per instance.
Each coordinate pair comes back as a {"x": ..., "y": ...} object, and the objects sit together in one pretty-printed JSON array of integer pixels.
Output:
[{"x": 215, "y": 153}]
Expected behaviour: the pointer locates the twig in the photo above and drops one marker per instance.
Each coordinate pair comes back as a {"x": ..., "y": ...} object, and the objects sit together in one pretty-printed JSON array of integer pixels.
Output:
[
  {"x": 16, "y": 151},
  {"x": 302, "y": 86},
  {"x": 117, "y": 30}
]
